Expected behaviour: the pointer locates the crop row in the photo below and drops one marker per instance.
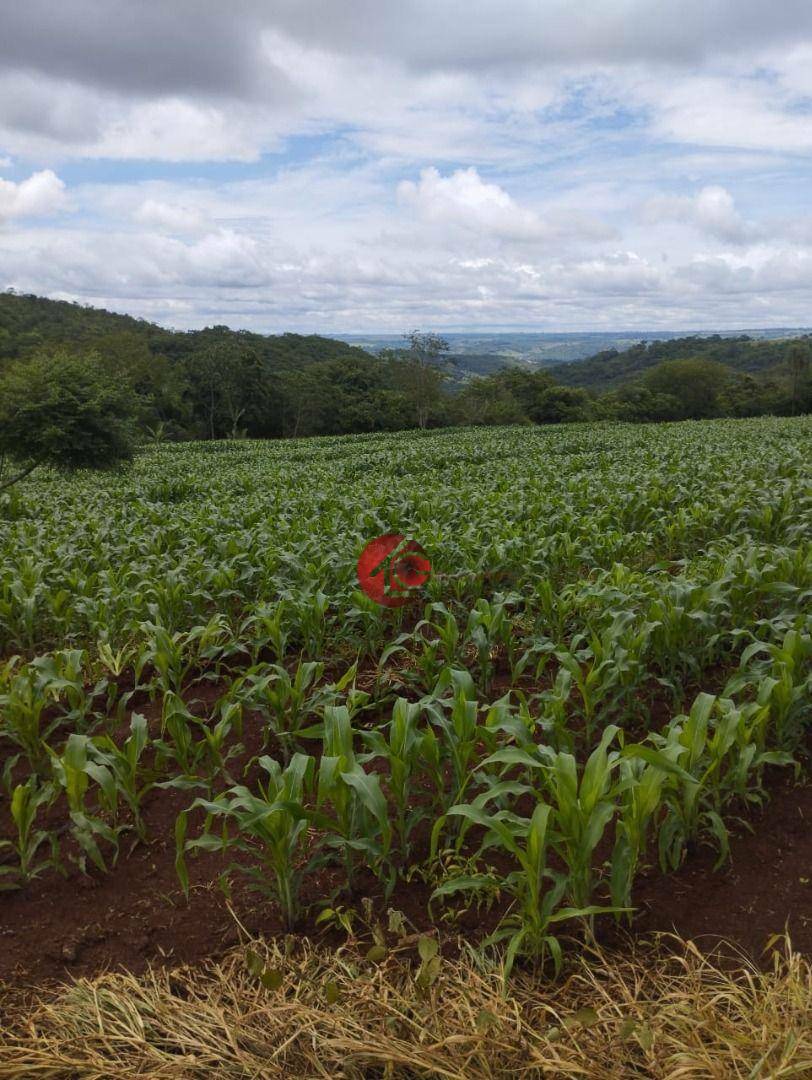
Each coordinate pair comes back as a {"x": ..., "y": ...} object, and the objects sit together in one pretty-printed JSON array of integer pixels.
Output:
[{"x": 613, "y": 648}]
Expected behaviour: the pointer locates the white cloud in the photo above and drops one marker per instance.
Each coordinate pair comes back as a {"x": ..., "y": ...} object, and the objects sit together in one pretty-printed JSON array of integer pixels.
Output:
[
  {"x": 42, "y": 194},
  {"x": 168, "y": 217},
  {"x": 466, "y": 200},
  {"x": 298, "y": 165},
  {"x": 712, "y": 210}
]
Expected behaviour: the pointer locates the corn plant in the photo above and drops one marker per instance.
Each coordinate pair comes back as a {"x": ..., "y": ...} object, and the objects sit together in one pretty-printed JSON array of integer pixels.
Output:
[
  {"x": 783, "y": 684},
  {"x": 200, "y": 747},
  {"x": 584, "y": 806},
  {"x": 269, "y": 825},
  {"x": 266, "y": 628},
  {"x": 695, "y": 756},
  {"x": 168, "y": 655},
  {"x": 459, "y": 733},
  {"x": 351, "y": 805},
  {"x": 26, "y": 801},
  {"x": 125, "y": 766},
  {"x": 24, "y": 703},
  {"x": 285, "y": 703},
  {"x": 489, "y": 627},
  {"x": 37, "y": 699},
  {"x": 603, "y": 667},
  {"x": 640, "y": 789},
  {"x": 73, "y": 771},
  {"x": 537, "y": 889},
  {"x": 407, "y": 749}
]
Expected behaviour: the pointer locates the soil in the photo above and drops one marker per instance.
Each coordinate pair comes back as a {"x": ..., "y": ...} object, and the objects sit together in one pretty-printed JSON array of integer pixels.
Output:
[
  {"x": 137, "y": 915},
  {"x": 764, "y": 889}
]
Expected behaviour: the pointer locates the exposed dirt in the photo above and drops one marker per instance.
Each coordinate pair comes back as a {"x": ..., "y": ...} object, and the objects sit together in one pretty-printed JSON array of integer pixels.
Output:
[
  {"x": 137, "y": 914},
  {"x": 765, "y": 888}
]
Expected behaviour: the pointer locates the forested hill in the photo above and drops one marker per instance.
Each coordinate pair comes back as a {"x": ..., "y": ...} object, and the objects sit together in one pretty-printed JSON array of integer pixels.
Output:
[
  {"x": 29, "y": 323},
  {"x": 221, "y": 383},
  {"x": 611, "y": 369}
]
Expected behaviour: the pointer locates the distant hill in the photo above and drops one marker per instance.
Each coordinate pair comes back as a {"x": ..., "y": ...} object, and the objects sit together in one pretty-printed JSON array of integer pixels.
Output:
[
  {"x": 482, "y": 353},
  {"x": 597, "y": 361},
  {"x": 610, "y": 368},
  {"x": 28, "y": 323}
]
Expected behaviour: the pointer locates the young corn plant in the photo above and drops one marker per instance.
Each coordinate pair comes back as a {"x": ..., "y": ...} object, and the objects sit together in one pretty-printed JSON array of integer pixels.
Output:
[
  {"x": 26, "y": 801},
  {"x": 125, "y": 766},
  {"x": 168, "y": 655},
  {"x": 442, "y": 622},
  {"x": 460, "y": 736},
  {"x": 73, "y": 770},
  {"x": 62, "y": 677},
  {"x": 200, "y": 747},
  {"x": 584, "y": 808},
  {"x": 603, "y": 669},
  {"x": 285, "y": 704},
  {"x": 553, "y": 711},
  {"x": 24, "y": 703},
  {"x": 38, "y": 698},
  {"x": 783, "y": 685},
  {"x": 489, "y": 628},
  {"x": 640, "y": 787},
  {"x": 309, "y": 611},
  {"x": 537, "y": 889},
  {"x": 351, "y": 806},
  {"x": 694, "y": 755},
  {"x": 213, "y": 647},
  {"x": 269, "y": 825},
  {"x": 406, "y": 748},
  {"x": 266, "y": 629}
]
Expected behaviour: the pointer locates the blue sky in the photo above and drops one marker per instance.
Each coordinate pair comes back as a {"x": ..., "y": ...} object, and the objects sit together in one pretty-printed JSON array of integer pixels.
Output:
[{"x": 302, "y": 165}]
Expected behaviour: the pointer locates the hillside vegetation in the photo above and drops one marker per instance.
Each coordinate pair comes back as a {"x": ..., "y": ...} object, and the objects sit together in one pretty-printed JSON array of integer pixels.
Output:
[
  {"x": 611, "y": 368},
  {"x": 223, "y": 383}
]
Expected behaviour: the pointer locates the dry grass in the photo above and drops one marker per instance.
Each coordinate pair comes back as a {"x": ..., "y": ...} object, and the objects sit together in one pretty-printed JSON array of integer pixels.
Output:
[{"x": 657, "y": 1012}]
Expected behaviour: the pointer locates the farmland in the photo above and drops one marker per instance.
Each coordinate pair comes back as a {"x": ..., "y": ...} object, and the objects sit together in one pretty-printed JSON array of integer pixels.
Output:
[{"x": 605, "y": 676}]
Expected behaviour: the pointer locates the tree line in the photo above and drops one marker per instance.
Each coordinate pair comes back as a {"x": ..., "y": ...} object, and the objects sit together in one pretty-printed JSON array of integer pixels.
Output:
[{"x": 83, "y": 387}]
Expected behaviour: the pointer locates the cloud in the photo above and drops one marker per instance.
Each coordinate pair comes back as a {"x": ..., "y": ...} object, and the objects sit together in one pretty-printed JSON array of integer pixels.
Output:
[
  {"x": 168, "y": 217},
  {"x": 41, "y": 195},
  {"x": 303, "y": 165},
  {"x": 466, "y": 200},
  {"x": 712, "y": 210}
]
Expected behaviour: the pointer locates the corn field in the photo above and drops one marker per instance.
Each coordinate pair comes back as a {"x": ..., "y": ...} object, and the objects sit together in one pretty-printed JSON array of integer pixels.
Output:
[{"x": 609, "y": 662}]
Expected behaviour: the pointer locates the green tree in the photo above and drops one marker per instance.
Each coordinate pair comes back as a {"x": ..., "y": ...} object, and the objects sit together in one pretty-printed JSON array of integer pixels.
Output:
[
  {"x": 697, "y": 385},
  {"x": 66, "y": 411},
  {"x": 562, "y": 405},
  {"x": 798, "y": 361},
  {"x": 528, "y": 388},
  {"x": 488, "y": 401},
  {"x": 421, "y": 374},
  {"x": 636, "y": 403}
]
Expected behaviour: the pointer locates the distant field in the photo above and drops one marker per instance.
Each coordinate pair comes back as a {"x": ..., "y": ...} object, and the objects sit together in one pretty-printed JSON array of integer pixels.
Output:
[
  {"x": 549, "y": 349},
  {"x": 609, "y": 665}
]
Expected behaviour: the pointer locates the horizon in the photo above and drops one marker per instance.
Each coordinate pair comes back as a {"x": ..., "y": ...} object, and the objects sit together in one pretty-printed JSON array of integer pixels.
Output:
[
  {"x": 451, "y": 332},
  {"x": 541, "y": 170}
]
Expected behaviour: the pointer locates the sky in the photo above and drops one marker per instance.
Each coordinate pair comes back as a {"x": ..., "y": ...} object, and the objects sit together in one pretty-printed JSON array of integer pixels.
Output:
[{"x": 386, "y": 165}]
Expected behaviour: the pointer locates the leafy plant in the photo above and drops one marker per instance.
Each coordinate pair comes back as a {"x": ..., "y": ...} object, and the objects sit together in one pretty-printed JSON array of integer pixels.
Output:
[
  {"x": 269, "y": 825},
  {"x": 26, "y": 801}
]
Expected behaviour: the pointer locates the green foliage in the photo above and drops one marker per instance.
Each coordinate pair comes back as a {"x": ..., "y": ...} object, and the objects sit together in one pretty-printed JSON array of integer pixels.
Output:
[
  {"x": 531, "y": 733},
  {"x": 269, "y": 825},
  {"x": 65, "y": 411},
  {"x": 26, "y": 801}
]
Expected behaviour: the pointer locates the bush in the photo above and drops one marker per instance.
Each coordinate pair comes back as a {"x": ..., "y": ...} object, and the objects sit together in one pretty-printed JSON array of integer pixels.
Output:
[{"x": 65, "y": 411}]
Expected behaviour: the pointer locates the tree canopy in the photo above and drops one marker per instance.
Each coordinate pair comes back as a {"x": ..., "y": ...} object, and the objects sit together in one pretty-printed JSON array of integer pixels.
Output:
[
  {"x": 65, "y": 411},
  {"x": 220, "y": 383}
]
